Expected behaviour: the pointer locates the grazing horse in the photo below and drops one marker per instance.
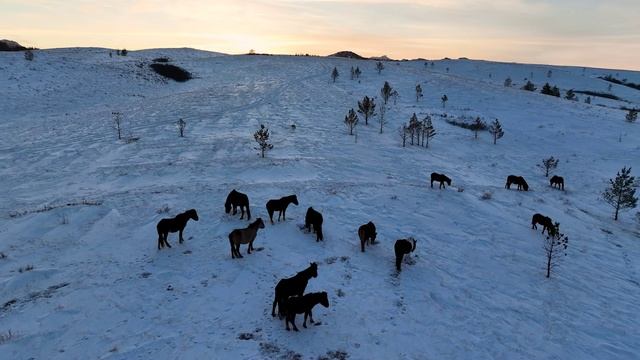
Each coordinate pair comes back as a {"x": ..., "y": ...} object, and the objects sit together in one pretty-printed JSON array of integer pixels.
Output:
[
  {"x": 281, "y": 206},
  {"x": 557, "y": 180},
  {"x": 518, "y": 180},
  {"x": 367, "y": 233},
  {"x": 292, "y": 286},
  {"x": 314, "y": 218},
  {"x": 441, "y": 178},
  {"x": 237, "y": 199},
  {"x": 244, "y": 236},
  {"x": 402, "y": 247},
  {"x": 165, "y": 226},
  {"x": 545, "y": 221},
  {"x": 303, "y": 305}
]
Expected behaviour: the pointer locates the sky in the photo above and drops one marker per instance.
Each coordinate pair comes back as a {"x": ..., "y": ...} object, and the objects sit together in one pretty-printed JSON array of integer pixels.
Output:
[{"x": 564, "y": 32}]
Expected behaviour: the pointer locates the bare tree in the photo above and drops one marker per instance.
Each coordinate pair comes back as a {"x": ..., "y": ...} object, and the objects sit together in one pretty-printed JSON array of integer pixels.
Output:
[
  {"x": 555, "y": 247},
  {"x": 632, "y": 115},
  {"x": 353, "y": 73},
  {"x": 477, "y": 125},
  {"x": 367, "y": 107},
  {"x": 358, "y": 72},
  {"x": 386, "y": 92},
  {"x": 496, "y": 130},
  {"x": 262, "y": 138},
  {"x": 402, "y": 131},
  {"x": 418, "y": 92},
  {"x": 351, "y": 120},
  {"x": 181, "y": 125},
  {"x": 28, "y": 55},
  {"x": 428, "y": 131},
  {"x": 379, "y": 67},
  {"x": 117, "y": 121},
  {"x": 334, "y": 74},
  {"x": 413, "y": 127},
  {"x": 444, "y": 100},
  {"x": 381, "y": 117},
  {"x": 549, "y": 164},
  {"x": 621, "y": 194}
]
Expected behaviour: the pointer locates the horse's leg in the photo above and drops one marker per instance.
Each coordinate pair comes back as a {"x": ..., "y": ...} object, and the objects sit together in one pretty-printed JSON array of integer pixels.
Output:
[
  {"x": 235, "y": 209},
  {"x": 432, "y": 184},
  {"x": 160, "y": 244},
  {"x": 249, "y": 247},
  {"x": 165, "y": 237},
  {"x": 293, "y": 321},
  {"x": 270, "y": 215},
  {"x": 238, "y": 250},
  {"x": 362, "y": 241},
  {"x": 181, "y": 239},
  {"x": 304, "y": 323},
  {"x": 273, "y": 308},
  {"x": 311, "y": 316}
]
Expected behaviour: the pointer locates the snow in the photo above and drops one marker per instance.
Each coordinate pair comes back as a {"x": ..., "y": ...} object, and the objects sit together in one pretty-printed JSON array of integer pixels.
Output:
[{"x": 81, "y": 208}]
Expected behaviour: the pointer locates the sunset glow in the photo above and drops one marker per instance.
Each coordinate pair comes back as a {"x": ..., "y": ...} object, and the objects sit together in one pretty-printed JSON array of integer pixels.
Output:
[{"x": 571, "y": 32}]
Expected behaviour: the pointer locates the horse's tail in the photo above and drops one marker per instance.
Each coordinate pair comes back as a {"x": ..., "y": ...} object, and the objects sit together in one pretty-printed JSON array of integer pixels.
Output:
[
  {"x": 282, "y": 311},
  {"x": 320, "y": 236}
]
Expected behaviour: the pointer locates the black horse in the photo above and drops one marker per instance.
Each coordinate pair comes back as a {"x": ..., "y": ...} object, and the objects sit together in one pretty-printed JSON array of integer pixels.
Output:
[
  {"x": 314, "y": 218},
  {"x": 281, "y": 206},
  {"x": 292, "y": 286},
  {"x": 367, "y": 233},
  {"x": 441, "y": 178},
  {"x": 304, "y": 305},
  {"x": 402, "y": 247},
  {"x": 545, "y": 221},
  {"x": 557, "y": 180},
  {"x": 165, "y": 226},
  {"x": 518, "y": 180},
  {"x": 237, "y": 199}
]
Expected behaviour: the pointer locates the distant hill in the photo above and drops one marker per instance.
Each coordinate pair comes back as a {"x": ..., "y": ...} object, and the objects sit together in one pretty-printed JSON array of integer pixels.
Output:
[
  {"x": 381, "y": 58},
  {"x": 348, "y": 55},
  {"x": 9, "y": 45}
]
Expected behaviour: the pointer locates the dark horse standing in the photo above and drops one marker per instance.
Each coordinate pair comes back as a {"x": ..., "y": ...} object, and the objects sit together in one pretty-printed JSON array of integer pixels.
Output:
[
  {"x": 402, "y": 247},
  {"x": 237, "y": 199},
  {"x": 281, "y": 206},
  {"x": 518, "y": 180},
  {"x": 557, "y": 180},
  {"x": 314, "y": 218},
  {"x": 545, "y": 221},
  {"x": 441, "y": 178},
  {"x": 367, "y": 233},
  {"x": 292, "y": 286},
  {"x": 165, "y": 226},
  {"x": 304, "y": 305}
]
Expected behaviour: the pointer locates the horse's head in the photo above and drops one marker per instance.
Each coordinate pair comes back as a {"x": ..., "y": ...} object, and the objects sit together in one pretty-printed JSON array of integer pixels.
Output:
[
  {"x": 259, "y": 223},
  {"x": 313, "y": 268},
  {"x": 447, "y": 180},
  {"x": 324, "y": 299},
  {"x": 193, "y": 214},
  {"x": 294, "y": 199},
  {"x": 413, "y": 241},
  {"x": 525, "y": 186}
]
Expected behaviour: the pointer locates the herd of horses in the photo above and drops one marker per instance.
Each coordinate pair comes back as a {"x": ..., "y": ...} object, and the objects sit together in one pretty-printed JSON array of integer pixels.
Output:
[{"x": 289, "y": 292}]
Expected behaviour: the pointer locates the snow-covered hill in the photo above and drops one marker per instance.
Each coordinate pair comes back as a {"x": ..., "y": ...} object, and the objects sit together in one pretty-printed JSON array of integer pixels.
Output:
[{"x": 81, "y": 207}]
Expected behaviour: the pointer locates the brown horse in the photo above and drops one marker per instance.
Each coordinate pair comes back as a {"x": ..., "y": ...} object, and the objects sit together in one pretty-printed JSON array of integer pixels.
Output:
[
  {"x": 518, "y": 180},
  {"x": 237, "y": 199},
  {"x": 441, "y": 178},
  {"x": 244, "y": 236},
  {"x": 292, "y": 286},
  {"x": 314, "y": 218},
  {"x": 303, "y": 305},
  {"x": 557, "y": 180},
  {"x": 545, "y": 221},
  {"x": 367, "y": 234},
  {"x": 402, "y": 247},
  {"x": 176, "y": 224},
  {"x": 280, "y": 205}
]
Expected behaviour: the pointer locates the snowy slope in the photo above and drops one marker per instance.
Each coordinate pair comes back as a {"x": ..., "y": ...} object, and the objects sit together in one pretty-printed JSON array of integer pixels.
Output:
[{"x": 81, "y": 208}]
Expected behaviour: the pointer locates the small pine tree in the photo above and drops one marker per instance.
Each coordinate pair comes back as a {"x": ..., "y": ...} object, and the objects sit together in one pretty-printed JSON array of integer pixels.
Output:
[
  {"x": 379, "y": 67},
  {"x": 358, "y": 72},
  {"x": 546, "y": 89},
  {"x": 334, "y": 74},
  {"x": 496, "y": 130},
  {"x": 477, "y": 125},
  {"x": 555, "y": 247},
  {"x": 367, "y": 107},
  {"x": 418, "y": 92},
  {"x": 28, "y": 55},
  {"x": 395, "y": 96},
  {"x": 413, "y": 127},
  {"x": 117, "y": 122},
  {"x": 351, "y": 120},
  {"x": 444, "y": 99},
  {"x": 632, "y": 115},
  {"x": 428, "y": 131},
  {"x": 621, "y": 194},
  {"x": 549, "y": 164},
  {"x": 587, "y": 100},
  {"x": 353, "y": 73},
  {"x": 262, "y": 138},
  {"x": 181, "y": 125},
  {"x": 529, "y": 86},
  {"x": 118, "y": 52},
  {"x": 386, "y": 92},
  {"x": 570, "y": 95},
  {"x": 508, "y": 82},
  {"x": 549, "y": 74},
  {"x": 555, "y": 91},
  {"x": 124, "y": 52}
]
